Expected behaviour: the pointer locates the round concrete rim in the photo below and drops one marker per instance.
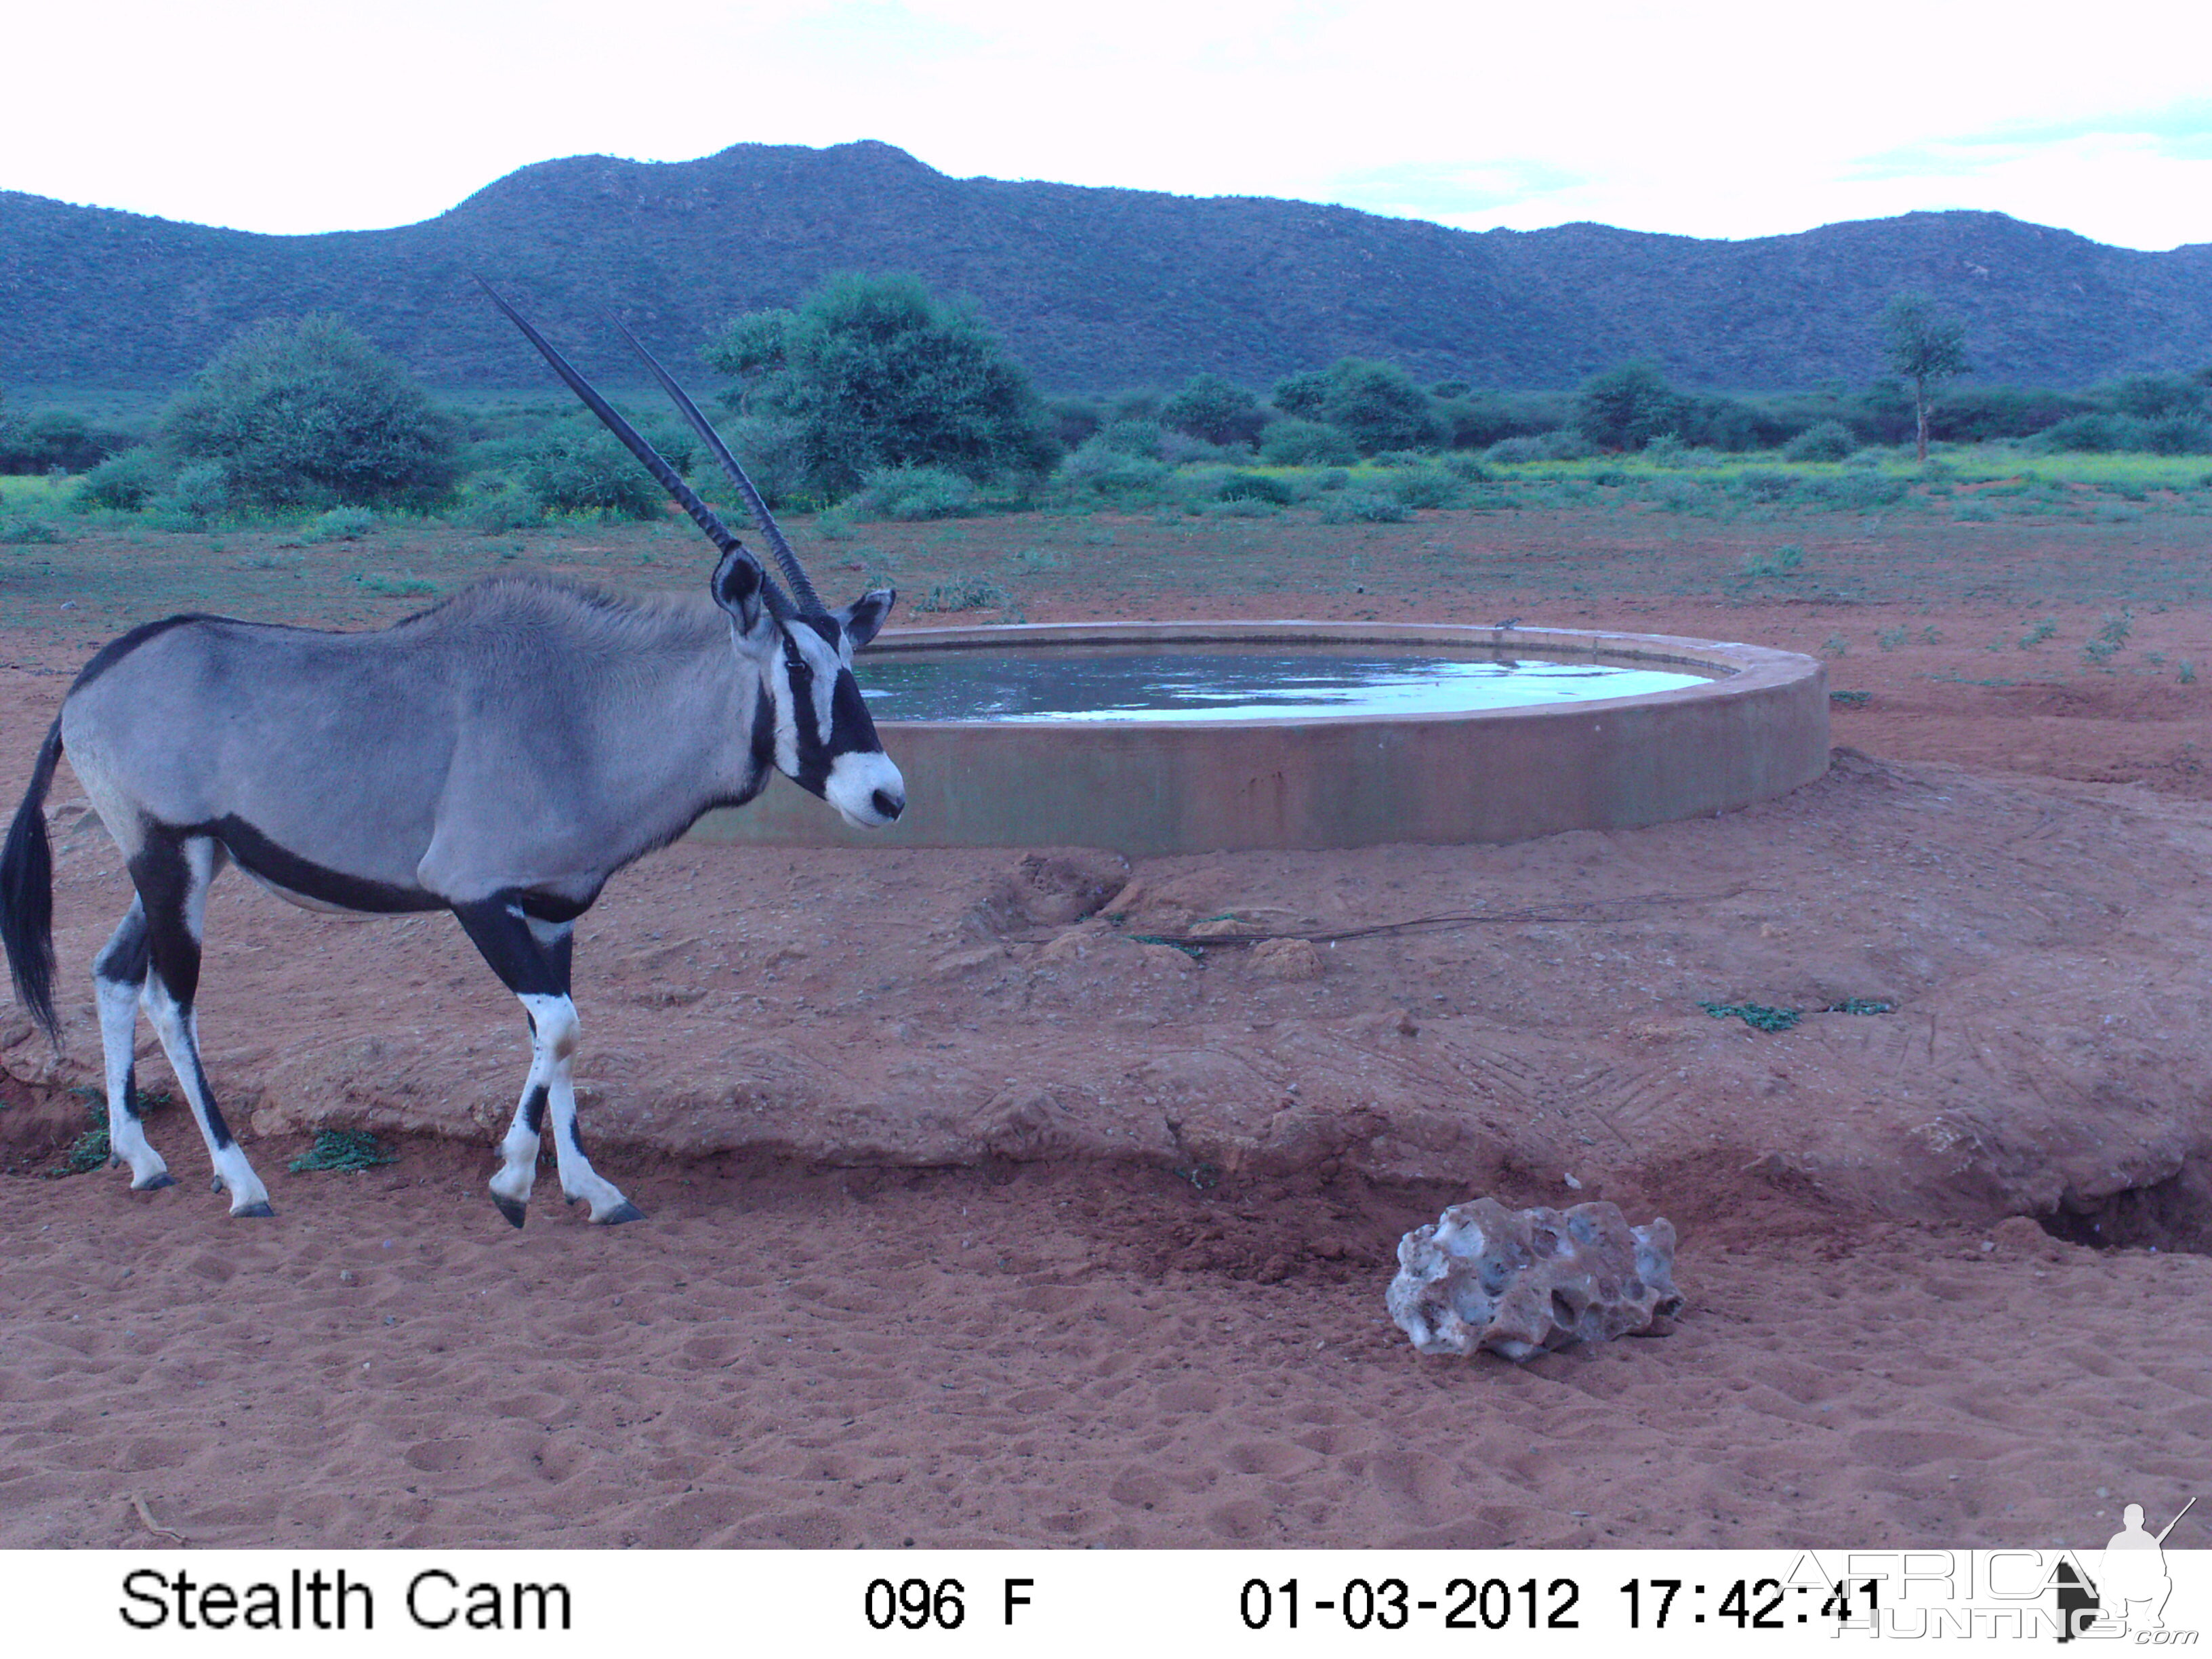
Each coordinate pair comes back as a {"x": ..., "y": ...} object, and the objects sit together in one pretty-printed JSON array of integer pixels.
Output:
[{"x": 1755, "y": 730}]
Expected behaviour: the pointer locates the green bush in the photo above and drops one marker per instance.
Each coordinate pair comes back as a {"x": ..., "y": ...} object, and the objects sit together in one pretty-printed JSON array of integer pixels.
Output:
[
  {"x": 1854, "y": 492},
  {"x": 196, "y": 497},
  {"x": 1565, "y": 445},
  {"x": 877, "y": 372},
  {"x": 1831, "y": 440},
  {"x": 1375, "y": 405},
  {"x": 1098, "y": 472},
  {"x": 307, "y": 413},
  {"x": 910, "y": 494},
  {"x": 1761, "y": 485},
  {"x": 124, "y": 483},
  {"x": 1625, "y": 408},
  {"x": 2178, "y": 434},
  {"x": 53, "y": 437},
  {"x": 2096, "y": 434},
  {"x": 576, "y": 465},
  {"x": 499, "y": 509},
  {"x": 1216, "y": 409},
  {"x": 1256, "y": 487},
  {"x": 2156, "y": 397},
  {"x": 1140, "y": 438},
  {"x": 1363, "y": 506},
  {"x": 1423, "y": 486},
  {"x": 28, "y": 532},
  {"x": 965, "y": 593},
  {"x": 1299, "y": 442},
  {"x": 1975, "y": 414},
  {"x": 342, "y": 524}
]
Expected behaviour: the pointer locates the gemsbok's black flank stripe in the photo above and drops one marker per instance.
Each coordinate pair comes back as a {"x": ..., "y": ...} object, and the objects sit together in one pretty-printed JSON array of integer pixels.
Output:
[{"x": 499, "y": 756}]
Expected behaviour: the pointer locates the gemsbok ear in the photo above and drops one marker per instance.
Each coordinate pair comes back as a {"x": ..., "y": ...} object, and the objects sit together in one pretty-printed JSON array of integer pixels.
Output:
[
  {"x": 861, "y": 618},
  {"x": 736, "y": 588}
]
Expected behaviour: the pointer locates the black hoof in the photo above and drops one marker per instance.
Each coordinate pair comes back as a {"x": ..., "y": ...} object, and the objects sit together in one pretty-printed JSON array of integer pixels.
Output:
[
  {"x": 622, "y": 1211},
  {"x": 164, "y": 1179},
  {"x": 254, "y": 1212},
  {"x": 515, "y": 1214}
]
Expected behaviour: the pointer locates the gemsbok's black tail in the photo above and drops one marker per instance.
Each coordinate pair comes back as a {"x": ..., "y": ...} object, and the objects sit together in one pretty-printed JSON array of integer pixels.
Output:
[{"x": 27, "y": 893}]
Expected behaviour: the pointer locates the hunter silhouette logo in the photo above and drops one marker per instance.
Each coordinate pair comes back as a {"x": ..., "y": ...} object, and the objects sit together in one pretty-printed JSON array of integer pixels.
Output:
[{"x": 2129, "y": 1589}]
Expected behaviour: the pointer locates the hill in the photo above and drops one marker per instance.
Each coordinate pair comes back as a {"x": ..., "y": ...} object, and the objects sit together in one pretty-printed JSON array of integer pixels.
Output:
[{"x": 1093, "y": 289}]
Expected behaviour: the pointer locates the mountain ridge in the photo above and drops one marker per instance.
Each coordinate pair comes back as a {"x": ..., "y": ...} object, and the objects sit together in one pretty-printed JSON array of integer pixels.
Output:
[{"x": 1094, "y": 289}]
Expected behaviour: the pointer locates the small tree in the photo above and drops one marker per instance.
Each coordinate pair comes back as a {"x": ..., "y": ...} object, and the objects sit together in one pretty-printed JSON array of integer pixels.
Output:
[
  {"x": 1216, "y": 409},
  {"x": 877, "y": 372},
  {"x": 1628, "y": 407},
  {"x": 1925, "y": 347},
  {"x": 1375, "y": 404},
  {"x": 307, "y": 413}
]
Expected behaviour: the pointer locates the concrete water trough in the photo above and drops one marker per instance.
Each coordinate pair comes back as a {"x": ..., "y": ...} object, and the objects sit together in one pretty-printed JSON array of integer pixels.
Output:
[{"x": 1024, "y": 760}]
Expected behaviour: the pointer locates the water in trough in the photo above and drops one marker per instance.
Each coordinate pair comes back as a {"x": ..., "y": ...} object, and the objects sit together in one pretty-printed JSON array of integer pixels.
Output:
[{"x": 1155, "y": 685}]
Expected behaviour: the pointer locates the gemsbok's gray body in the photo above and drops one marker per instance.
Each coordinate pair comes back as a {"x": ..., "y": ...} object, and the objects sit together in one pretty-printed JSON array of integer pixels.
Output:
[{"x": 499, "y": 756}]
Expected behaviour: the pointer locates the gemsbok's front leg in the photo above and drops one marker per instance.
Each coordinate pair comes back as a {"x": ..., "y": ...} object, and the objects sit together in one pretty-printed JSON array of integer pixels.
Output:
[
  {"x": 531, "y": 957},
  {"x": 172, "y": 876}
]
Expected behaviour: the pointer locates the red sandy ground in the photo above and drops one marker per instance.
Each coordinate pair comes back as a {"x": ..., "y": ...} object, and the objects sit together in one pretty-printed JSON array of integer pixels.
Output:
[{"x": 973, "y": 1225}]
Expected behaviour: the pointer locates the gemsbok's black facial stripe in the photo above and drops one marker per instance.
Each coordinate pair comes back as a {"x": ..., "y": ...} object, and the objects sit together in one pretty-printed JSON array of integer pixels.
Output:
[{"x": 852, "y": 729}]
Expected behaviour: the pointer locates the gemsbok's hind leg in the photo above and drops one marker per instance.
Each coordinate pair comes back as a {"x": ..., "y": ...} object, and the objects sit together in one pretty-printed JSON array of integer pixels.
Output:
[
  {"x": 531, "y": 957},
  {"x": 119, "y": 978},
  {"x": 172, "y": 877}
]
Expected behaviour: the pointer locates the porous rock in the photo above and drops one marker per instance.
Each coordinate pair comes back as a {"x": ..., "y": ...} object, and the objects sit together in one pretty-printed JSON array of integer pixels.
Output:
[
  {"x": 1517, "y": 1282},
  {"x": 1286, "y": 959}
]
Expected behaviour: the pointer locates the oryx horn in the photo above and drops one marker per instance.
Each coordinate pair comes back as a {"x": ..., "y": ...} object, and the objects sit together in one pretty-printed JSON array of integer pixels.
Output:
[
  {"x": 684, "y": 495},
  {"x": 801, "y": 587}
]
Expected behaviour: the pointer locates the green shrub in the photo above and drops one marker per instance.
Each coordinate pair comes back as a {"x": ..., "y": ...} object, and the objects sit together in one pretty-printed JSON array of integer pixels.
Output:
[
  {"x": 1423, "y": 486},
  {"x": 1256, "y": 487},
  {"x": 51, "y": 438},
  {"x": 1668, "y": 450},
  {"x": 498, "y": 510},
  {"x": 1363, "y": 506},
  {"x": 1566, "y": 444},
  {"x": 911, "y": 494},
  {"x": 2158, "y": 397},
  {"x": 28, "y": 532},
  {"x": 1139, "y": 438},
  {"x": 1784, "y": 560},
  {"x": 124, "y": 483},
  {"x": 1854, "y": 492},
  {"x": 1625, "y": 408},
  {"x": 196, "y": 497},
  {"x": 1976, "y": 414},
  {"x": 576, "y": 466},
  {"x": 2093, "y": 434},
  {"x": 1096, "y": 471},
  {"x": 876, "y": 371},
  {"x": 345, "y": 1150},
  {"x": 1210, "y": 407},
  {"x": 1765, "y": 486},
  {"x": 1830, "y": 440},
  {"x": 341, "y": 524},
  {"x": 2178, "y": 434},
  {"x": 964, "y": 593},
  {"x": 1295, "y": 441},
  {"x": 307, "y": 413}
]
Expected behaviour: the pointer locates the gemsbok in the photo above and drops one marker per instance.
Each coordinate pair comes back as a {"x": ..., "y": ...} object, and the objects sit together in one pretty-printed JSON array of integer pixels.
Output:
[{"x": 499, "y": 756}]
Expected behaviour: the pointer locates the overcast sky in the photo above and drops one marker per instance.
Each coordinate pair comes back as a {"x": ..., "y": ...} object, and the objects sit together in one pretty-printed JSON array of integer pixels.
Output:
[{"x": 1707, "y": 118}]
